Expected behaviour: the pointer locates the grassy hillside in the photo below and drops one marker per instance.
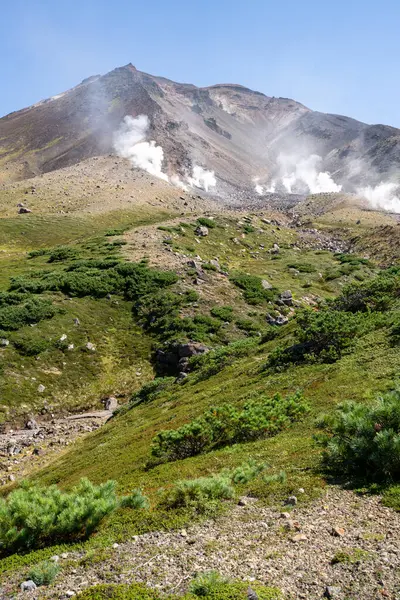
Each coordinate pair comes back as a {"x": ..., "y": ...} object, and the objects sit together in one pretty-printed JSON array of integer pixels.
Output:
[{"x": 131, "y": 282}]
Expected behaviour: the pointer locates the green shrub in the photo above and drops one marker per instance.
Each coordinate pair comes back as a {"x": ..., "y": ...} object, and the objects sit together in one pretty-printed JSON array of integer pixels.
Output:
[
  {"x": 209, "y": 267},
  {"x": 206, "y": 222},
  {"x": 200, "y": 494},
  {"x": 33, "y": 516},
  {"x": 222, "y": 312},
  {"x": 364, "y": 441},
  {"x": 247, "y": 228},
  {"x": 377, "y": 294},
  {"x": 112, "y": 232},
  {"x": 248, "y": 325},
  {"x": 210, "y": 363},
  {"x": 62, "y": 253},
  {"x": 44, "y": 572},
  {"x": 302, "y": 267},
  {"x": 225, "y": 425},
  {"x": 39, "y": 252},
  {"x": 30, "y": 345},
  {"x": 252, "y": 288},
  {"x": 206, "y": 583},
  {"x": 322, "y": 336},
  {"x": 30, "y": 310}
]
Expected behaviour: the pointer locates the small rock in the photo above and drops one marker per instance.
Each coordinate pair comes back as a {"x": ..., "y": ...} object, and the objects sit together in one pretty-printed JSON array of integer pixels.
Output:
[
  {"x": 301, "y": 491},
  {"x": 55, "y": 558},
  {"x": 183, "y": 533},
  {"x": 77, "y": 322},
  {"x": 115, "y": 546},
  {"x": 11, "y": 477},
  {"x": 299, "y": 537},
  {"x": 242, "y": 502},
  {"x": 91, "y": 347},
  {"x": 291, "y": 501},
  {"x": 266, "y": 284},
  {"x": 111, "y": 403},
  {"x": 71, "y": 347},
  {"x": 275, "y": 249},
  {"x": 63, "y": 337},
  {"x": 28, "y": 586},
  {"x": 4, "y": 343},
  {"x": 201, "y": 231},
  {"x": 332, "y": 591},
  {"x": 285, "y": 515},
  {"x": 41, "y": 388},
  {"x": 23, "y": 210},
  {"x": 69, "y": 593},
  {"x": 251, "y": 594},
  {"x": 338, "y": 531},
  {"x": 31, "y": 424}
]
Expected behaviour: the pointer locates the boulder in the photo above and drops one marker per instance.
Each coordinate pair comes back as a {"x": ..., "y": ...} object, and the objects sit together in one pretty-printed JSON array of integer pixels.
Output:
[
  {"x": 31, "y": 424},
  {"x": 201, "y": 231},
  {"x": 275, "y": 249},
  {"x": 266, "y": 284},
  {"x": 28, "y": 586},
  {"x": 287, "y": 298},
  {"x": 111, "y": 403},
  {"x": 23, "y": 211}
]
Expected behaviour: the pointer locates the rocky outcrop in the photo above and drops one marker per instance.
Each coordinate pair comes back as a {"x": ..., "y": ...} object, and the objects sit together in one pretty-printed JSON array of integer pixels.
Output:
[{"x": 173, "y": 359}]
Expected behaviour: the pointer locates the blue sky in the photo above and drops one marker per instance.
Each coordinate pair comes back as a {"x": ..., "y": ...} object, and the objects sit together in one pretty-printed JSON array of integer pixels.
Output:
[{"x": 332, "y": 55}]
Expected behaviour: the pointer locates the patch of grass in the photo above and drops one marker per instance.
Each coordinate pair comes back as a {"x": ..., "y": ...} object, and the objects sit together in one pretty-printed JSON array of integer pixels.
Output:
[{"x": 350, "y": 556}]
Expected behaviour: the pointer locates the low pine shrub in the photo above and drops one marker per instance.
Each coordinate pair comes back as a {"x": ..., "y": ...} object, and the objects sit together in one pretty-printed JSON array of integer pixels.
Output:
[
  {"x": 202, "y": 494},
  {"x": 30, "y": 310},
  {"x": 33, "y": 516},
  {"x": 44, "y": 572},
  {"x": 206, "y": 583},
  {"x": 226, "y": 425},
  {"x": 206, "y": 222},
  {"x": 253, "y": 290},
  {"x": 377, "y": 294},
  {"x": 363, "y": 442},
  {"x": 222, "y": 312},
  {"x": 62, "y": 253}
]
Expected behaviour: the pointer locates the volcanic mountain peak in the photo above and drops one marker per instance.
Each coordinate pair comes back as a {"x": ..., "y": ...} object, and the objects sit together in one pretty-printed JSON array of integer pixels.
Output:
[{"x": 238, "y": 133}]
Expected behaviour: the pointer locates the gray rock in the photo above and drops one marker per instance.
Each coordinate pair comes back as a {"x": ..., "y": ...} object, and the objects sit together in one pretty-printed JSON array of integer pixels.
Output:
[
  {"x": 91, "y": 347},
  {"x": 4, "y": 343},
  {"x": 23, "y": 210},
  {"x": 292, "y": 501},
  {"x": 332, "y": 591},
  {"x": 251, "y": 594},
  {"x": 41, "y": 388},
  {"x": 31, "y": 424},
  {"x": 201, "y": 231},
  {"x": 77, "y": 322},
  {"x": 275, "y": 249},
  {"x": 287, "y": 298},
  {"x": 242, "y": 502},
  {"x": 266, "y": 284},
  {"x": 28, "y": 586},
  {"x": 111, "y": 403}
]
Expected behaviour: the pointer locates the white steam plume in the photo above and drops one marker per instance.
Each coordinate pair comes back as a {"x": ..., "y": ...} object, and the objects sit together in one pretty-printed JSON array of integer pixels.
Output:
[
  {"x": 305, "y": 172},
  {"x": 259, "y": 189},
  {"x": 201, "y": 178},
  {"x": 130, "y": 142},
  {"x": 382, "y": 196}
]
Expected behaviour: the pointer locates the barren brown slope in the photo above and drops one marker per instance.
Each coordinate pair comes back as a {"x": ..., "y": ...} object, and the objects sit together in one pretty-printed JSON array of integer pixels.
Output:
[{"x": 228, "y": 128}]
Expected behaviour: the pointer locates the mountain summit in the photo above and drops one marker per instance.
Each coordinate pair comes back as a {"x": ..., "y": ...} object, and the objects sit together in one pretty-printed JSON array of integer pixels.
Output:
[{"x": 242, "y": 135}]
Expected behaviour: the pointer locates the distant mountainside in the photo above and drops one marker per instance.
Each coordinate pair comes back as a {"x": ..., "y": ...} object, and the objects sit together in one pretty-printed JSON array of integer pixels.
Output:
[{"x": 227, "y": 128}]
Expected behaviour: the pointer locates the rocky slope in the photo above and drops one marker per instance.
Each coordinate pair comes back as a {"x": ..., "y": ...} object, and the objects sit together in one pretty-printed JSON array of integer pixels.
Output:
[{"x": 237, "y": 132}]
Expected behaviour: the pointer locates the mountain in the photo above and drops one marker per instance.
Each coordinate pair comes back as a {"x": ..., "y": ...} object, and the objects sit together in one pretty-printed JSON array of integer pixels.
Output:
[{"x": 228, "y": 128}]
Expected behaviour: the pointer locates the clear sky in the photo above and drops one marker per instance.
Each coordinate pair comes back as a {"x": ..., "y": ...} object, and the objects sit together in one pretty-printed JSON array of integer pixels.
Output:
[{"x": 339, "y": 56}]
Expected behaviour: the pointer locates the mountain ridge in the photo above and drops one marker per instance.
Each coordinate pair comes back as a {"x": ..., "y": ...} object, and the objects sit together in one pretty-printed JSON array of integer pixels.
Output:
[{"x": 230, "y": 129}]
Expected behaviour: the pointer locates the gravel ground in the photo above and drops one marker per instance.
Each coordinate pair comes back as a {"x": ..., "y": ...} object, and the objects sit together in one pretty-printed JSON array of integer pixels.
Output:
[{"x": 293, "y": 551}]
